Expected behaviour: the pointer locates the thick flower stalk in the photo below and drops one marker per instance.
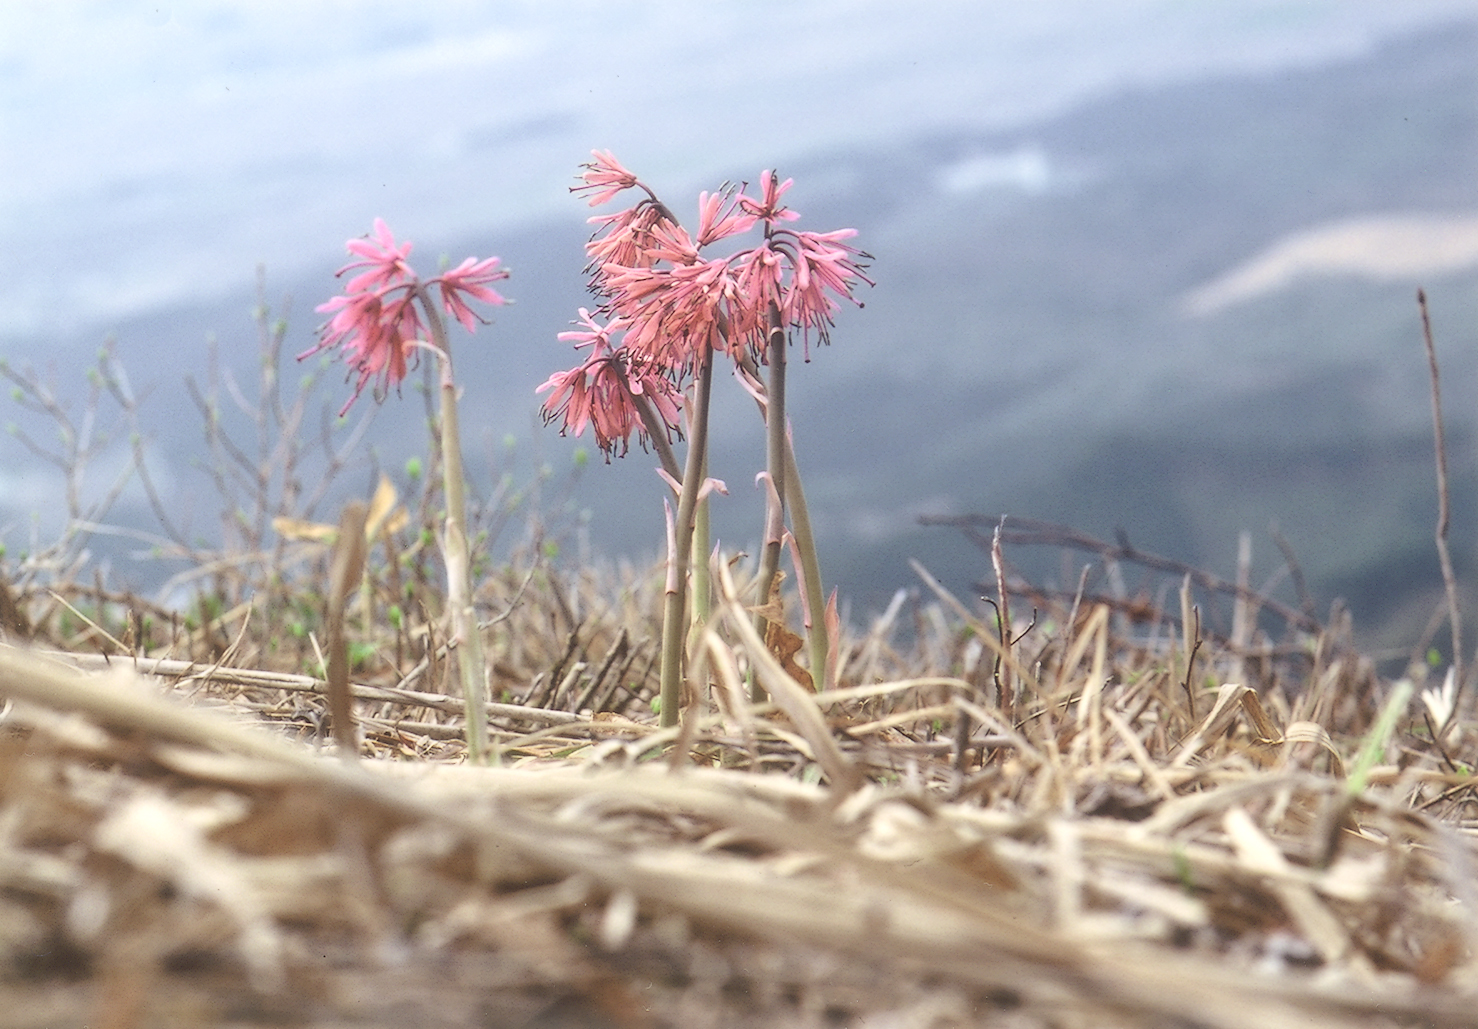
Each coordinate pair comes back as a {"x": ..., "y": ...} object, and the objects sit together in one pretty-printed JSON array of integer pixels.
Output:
[
  {"x": 671, "y": 308},
  {"x": 382, "y": 322}
]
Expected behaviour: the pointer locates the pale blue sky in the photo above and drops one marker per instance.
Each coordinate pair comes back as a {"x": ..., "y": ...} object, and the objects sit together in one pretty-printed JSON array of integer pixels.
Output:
[{"x": 154, "y": 152}]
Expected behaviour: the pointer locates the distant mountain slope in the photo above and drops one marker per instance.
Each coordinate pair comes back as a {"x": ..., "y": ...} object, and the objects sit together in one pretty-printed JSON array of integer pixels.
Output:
[
  {"x": 1033, "y": 336},
  {"x": 1026, "y": 349}
]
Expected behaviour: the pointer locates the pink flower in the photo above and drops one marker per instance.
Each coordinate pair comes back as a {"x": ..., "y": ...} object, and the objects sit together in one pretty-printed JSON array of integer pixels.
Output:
[
  {"x": 471, "y": 277},
  {"x": 603, "y": 391},
  {"x": 375, "y": 337},
  {"x": 675, "y": 314},
  {"x": 593, "y": 333},
  {"x": 761, "y": 278},
  {"x": 717, "y": 218},
  {"x": 376, "y": 322},
  {"x": 768, "y": 209},
  {"x": 670, "y": 242},
  {"x": 677, "y": 303},
  {"x": 824, "y": 267},
  {"x": 386, "y": 262},
  {"x": 604, "y": 178},
  {"x": 625, "y": 238}
]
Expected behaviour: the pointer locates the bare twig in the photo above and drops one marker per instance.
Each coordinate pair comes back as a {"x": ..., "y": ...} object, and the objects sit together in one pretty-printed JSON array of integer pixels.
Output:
[
  {"x": 1449, "y": 579},
  {"x": 1028, "y": 531},
  {"x": 1007, "y": 685}
]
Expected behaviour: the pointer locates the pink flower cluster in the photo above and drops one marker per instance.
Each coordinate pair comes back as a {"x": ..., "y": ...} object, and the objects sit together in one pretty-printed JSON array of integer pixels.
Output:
[
  {"x": 377, "y": 321},
  {"x": 602, "y": 392},
  {"x": 671, "y": 304}
]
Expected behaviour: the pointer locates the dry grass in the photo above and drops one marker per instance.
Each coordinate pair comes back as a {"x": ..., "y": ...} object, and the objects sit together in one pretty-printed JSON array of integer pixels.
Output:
[
  {"x": 1078, "y": 834},
  {"x": 1110, "y": 816}
]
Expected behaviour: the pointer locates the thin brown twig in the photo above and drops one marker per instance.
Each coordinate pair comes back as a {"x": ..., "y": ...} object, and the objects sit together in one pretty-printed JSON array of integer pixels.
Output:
[
  {"x": 1449, "y": 579},
  {"x": 1006, "y": 686},
  {"x": 1295, "y": 570},
  {"x": 1029, "y": 531}
]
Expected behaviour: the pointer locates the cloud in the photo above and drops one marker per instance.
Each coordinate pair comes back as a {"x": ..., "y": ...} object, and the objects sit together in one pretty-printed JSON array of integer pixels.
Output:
[
  {"x": 1385, "y": 248},
  {"x": 1025, "y": 168}
]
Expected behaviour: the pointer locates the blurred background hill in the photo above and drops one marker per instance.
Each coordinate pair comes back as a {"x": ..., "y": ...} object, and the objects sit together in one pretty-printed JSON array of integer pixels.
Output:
[{"x": 1150, "y": 273}]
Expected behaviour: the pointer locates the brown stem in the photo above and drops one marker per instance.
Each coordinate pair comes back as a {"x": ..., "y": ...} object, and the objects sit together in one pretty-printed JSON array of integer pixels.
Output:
[{"x": 1449, "y": 579}]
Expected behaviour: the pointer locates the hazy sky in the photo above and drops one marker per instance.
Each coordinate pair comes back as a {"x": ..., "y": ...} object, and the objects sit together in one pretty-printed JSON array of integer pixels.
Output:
[{"x": 151, "y": 153}]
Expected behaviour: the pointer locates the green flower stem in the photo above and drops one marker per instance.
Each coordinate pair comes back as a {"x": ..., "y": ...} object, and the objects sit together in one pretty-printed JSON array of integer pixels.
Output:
[
  {"x": 775, "y": 459},
  {"x": 805, "y": 544},
  {"x": 1378, "y": 738},
  {"x": 471, "y": 663},
  {"x": 702, "y": 579},
  {"x": 795, "y": 498},
  {"x": 657, "y": 433},
  {"x": 674, "y": 609}
]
